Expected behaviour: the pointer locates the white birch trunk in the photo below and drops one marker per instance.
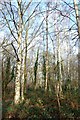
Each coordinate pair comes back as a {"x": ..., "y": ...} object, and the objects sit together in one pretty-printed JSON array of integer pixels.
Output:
[
  {"x": 18, "y": 74},
  {"x": 59, "y": 64},
  {"x": 24, "y": 66},
  {"x": 17, "y": 83},
  {"x": 78, "y": 24},
  {"x": 22, "y": 74},
  {"x": 47, "y": 66}
]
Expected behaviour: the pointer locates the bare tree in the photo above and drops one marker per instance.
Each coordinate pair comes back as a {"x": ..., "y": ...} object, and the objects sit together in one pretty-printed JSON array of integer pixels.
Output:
[
  {"x": 78, "y": 24},
  {"x": 47, "y": 64}
]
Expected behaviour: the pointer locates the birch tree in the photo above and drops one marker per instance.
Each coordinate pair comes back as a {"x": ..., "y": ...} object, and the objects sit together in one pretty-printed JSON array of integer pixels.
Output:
[
  {"x": 47, "y": 64},
  {"x": 18, "y": 75},
  {"x": 15, "y": 16},
  {"x": 77, "y": 9}
]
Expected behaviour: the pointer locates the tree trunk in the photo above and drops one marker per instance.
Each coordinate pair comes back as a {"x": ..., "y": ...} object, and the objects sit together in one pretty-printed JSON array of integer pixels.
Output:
[
  {"x": 17, "y": 83},
  {"x": 25, "y": 60},
  {"x": 18, "y": 73},
  {"x": 47, "y": 66},
  {"x": 59, "y": 65},
  {"x": 78, "y": 24},
  {"x": 3, "y": 82}
]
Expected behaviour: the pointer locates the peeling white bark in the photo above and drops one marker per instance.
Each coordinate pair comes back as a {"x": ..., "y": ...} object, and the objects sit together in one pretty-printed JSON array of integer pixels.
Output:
[
  {"x": 18, "y": 74},
  {"x": 17, "y": 83}
]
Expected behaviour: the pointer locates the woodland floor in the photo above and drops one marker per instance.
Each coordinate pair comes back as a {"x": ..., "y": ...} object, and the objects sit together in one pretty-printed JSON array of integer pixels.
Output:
[{"x": 40, "y": 105}]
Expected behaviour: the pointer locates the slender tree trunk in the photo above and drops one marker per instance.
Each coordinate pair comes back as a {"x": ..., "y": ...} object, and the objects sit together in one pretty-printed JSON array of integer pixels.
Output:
[
  {"x": 3, "y": 82},
  {"x": 77, "y": 10},
  {"x": 59, "y": 75},
  {"x": 59, "y": 65},
  {"x": 22, "y": 71},
  {"x": 25, "y": 61},
  {"x": 47, "y": 64},
  {"x": 36, "y": 70},
  {"x": 18, "y": 73},
  {"x": 24, "y": 66},
  {"x": 17, "y": 83}
]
